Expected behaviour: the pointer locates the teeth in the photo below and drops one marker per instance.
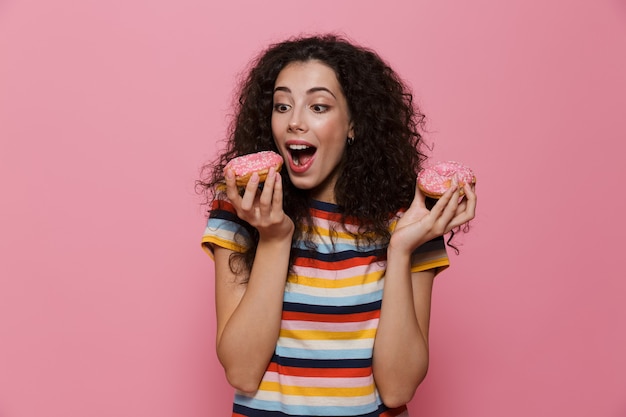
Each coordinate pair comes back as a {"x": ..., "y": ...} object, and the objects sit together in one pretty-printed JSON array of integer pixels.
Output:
[{"x": 296, "y": 148}]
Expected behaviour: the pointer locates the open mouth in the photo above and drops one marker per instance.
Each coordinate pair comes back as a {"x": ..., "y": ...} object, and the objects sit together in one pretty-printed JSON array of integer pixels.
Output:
[{"x": 301, "y": 154}]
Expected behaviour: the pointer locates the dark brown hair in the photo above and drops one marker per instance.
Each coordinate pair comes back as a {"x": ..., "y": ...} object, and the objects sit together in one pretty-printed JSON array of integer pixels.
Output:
[{"x": 378, "y": 171}]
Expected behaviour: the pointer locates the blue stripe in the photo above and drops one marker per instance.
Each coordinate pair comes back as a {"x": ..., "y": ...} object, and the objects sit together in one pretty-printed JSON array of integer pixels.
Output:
[
  {"x": 327, "y": 247},
  {"x": 216, "y": 226},
  {"x": 291, "y": 297},
  {"x": 323, "y": 206},
  {"x": 324, "y": 354}
]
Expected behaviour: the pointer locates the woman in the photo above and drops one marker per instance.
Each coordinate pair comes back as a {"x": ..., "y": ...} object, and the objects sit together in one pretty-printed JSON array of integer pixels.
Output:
[{"x": 324, "y": 275}]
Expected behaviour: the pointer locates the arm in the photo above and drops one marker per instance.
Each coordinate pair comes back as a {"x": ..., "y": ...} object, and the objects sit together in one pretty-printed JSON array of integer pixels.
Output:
[
  {"x": 248, "y": 316},
  {"x": 401, "y": 346}
]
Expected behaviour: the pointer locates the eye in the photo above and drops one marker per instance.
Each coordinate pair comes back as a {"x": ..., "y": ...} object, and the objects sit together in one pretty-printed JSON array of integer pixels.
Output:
[
  {"x": 319, "y": 108},
  {"x": 281, "y": 108}
]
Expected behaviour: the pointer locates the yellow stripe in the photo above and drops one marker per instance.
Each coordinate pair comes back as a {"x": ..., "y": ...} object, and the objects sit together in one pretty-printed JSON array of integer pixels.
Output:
[
  {"x": 208, "y": 241},
  {"x": 317, "y": 391},
  {"x": 327, "y": 335},
  {"x": 338, "y": 283},
  {"x": 440, "y": 263},
  {"x": 322, "y": 231}
]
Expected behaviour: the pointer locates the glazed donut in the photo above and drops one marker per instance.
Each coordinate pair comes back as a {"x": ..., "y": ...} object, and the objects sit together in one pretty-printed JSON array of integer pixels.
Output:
[
  {"x": 260, "y": 162},
  {"x": 433, "y": 180}
]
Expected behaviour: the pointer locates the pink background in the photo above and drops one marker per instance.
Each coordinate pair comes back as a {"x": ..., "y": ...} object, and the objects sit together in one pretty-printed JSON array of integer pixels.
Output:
[{"x": 109, "y": 108}]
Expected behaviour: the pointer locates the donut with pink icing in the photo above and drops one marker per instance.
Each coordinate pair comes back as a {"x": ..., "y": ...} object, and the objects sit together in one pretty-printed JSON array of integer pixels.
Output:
[
  {"x": 260, "y": 162},
  {"x": 434, "y": 179}
]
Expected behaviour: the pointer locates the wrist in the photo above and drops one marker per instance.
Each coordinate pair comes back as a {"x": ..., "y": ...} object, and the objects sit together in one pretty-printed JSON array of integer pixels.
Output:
[
  {"x": 283, "y": 237},
  {"x": 277, "y": 232},
  {"x": 400, "y": 247},
  {"x": 398, "y": 254}
]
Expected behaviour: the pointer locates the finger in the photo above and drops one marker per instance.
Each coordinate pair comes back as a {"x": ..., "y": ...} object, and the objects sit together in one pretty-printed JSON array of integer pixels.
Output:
[
  {"x": 232, "y": 191},
  {"x": 458, "y": 221},
  {"x": 450, "y": 210},
  {"x": 470, "y": 196},
  {"x": 468, "y": 212},
  {"x": 265, "y": 199},
  {"x": 461, "y": 207},
  {"x": 419, "y": 200},
  {"x": 444, "y": 201},
  {"x": 277, "y": 197},
  {"x": 247, "y": 201}
]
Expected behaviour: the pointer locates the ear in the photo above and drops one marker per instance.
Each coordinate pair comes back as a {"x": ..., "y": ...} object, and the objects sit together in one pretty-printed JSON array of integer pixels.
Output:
[{"x": 350, "y": 130}]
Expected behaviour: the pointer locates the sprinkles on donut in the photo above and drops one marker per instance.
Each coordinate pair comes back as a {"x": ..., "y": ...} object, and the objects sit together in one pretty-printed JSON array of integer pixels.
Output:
[
  {"x": 435, "y": 179},
  {"x": 260, "y": 162}
]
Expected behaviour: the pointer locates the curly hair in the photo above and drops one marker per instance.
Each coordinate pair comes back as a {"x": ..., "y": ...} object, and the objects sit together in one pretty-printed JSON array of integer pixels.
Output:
[{"x": 378, "y": 171}]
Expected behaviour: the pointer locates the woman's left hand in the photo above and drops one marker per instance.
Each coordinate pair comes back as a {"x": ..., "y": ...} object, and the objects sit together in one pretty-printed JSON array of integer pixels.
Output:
[{"x": 419, "y": 225}]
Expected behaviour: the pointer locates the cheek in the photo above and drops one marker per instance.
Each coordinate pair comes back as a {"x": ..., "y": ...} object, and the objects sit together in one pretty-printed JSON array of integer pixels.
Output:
[
  {"x": 274, "y": 124},
  {"x": 335, "y": 134},
  {"x": 331, "y": 129},
  {"x": 338, "y": 144}
]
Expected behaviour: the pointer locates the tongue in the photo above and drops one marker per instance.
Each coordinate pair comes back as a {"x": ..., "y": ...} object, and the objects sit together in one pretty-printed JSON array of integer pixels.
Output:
[{"x": 304, "y": 156}]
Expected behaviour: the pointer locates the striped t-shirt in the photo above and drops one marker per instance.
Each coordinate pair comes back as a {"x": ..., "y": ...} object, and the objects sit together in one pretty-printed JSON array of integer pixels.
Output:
[{"x": 322, "y": 364}]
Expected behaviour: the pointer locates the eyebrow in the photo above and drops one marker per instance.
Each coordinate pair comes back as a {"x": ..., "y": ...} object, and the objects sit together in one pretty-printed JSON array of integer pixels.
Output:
[{"x": 309, "y": 91}]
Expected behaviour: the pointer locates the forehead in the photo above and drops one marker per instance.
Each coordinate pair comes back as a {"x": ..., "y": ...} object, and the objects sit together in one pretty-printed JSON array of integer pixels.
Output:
[{"x": 308, "y": 74}]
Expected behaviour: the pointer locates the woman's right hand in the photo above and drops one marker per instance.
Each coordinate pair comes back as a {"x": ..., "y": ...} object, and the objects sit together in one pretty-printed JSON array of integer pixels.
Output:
[
  {"x": 248, "y": 316},
  {"x": 262, "y": 209}
]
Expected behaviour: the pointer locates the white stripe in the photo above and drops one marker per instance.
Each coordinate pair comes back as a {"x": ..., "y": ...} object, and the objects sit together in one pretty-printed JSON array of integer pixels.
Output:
[
  {"x": 352, "y": 272},
  {"x": 314, "y": 345},
  {"x": 274, "y": 396},
  {"x": 316, "y": 381},
  {"x": 357, "y": 290},
  {"x": 330, "y": 327}
]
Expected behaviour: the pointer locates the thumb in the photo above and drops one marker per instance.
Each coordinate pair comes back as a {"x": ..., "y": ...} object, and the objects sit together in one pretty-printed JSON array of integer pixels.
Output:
[{"x": 419, "y": 201}]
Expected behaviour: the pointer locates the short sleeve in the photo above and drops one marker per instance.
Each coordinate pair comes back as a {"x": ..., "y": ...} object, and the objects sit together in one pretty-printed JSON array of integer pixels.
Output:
[
  {"x": 224, "y": 228},
  {"x": 431, "y": 255}
]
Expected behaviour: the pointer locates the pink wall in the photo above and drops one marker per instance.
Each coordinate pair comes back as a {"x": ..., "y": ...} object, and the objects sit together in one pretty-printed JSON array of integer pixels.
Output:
[{"x": 108, "y": 109}]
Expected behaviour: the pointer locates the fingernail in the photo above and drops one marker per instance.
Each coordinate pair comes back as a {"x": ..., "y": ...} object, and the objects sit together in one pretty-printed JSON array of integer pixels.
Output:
[
  {"x": 228, "y": 174},
  {"x": 254, "y": 177}
]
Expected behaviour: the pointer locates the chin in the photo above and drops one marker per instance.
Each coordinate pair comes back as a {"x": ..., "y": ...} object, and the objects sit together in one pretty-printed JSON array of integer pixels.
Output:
[{"x": 301, "y": 185}]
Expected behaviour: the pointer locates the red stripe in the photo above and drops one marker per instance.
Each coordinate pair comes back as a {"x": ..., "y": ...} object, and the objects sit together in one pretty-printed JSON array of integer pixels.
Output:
[
  {"x": 336, "y": 217},
  {"x": 320, "y": 372},
  {"x": 222, "y": 205},
  {"x": 336, "y": 265},
  {"x": 331, "y": 318}
]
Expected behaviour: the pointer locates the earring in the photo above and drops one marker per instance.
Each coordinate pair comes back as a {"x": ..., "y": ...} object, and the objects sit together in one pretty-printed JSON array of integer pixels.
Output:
[{"x": 350, "y": 140}]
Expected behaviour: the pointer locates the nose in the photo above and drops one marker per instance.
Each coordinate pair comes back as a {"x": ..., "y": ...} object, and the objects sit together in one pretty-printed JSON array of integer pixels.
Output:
[
  {"x": 294, "y": 126},
  {"x": 296, "y": 122}
]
